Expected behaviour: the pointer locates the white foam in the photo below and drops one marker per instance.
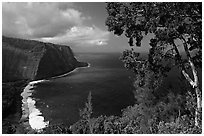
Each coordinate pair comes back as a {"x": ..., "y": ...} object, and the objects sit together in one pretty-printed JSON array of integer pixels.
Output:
[
  {"x": 63, "y": 75},
  {"x": 29, "y": 110},
  {"x": 35, "y": 82},
  {"x": 37, "y": 123}
]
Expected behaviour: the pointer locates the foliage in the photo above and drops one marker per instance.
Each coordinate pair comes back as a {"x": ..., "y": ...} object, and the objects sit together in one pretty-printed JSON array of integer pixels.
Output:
[
  {"x": 8, "y": 128},
  {"x": 87, "y": 121},
  {"x": 172, "y": 115},
  {"x": 87, "y": 111},
  {"x": 168, "y": 114},
  {"x": 56, "y": 129},
  {"x": 182, "y": 124},
  {"x": 173, "y": 24},
  {"x": 170, "y": 22}
]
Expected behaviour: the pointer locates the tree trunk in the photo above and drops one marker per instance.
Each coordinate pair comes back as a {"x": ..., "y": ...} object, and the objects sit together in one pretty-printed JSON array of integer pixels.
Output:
[
  {"x": 198, "y": 96},
  {"x": 199, "y": 107},
  {"x": 194, "y": 83}
]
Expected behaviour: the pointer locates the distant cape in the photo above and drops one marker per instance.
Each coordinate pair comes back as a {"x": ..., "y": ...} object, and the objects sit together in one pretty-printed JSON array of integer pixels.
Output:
[{"x": 35, "y": 60}]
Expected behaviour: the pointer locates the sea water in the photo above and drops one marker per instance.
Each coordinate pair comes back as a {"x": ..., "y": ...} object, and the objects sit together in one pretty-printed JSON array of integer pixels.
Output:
[{"x": 60, "y": 99}]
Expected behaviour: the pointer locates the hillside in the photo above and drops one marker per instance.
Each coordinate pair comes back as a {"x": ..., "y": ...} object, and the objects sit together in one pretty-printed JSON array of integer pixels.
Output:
[
  {"x": 24, "y": 61},
  {"x": 34, "y": 60}
]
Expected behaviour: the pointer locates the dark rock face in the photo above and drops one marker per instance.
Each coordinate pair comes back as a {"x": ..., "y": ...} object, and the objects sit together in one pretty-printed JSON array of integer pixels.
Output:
[{"x": 33, "y": 60}]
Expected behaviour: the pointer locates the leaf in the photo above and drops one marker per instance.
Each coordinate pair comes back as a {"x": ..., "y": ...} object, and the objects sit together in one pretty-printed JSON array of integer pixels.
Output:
[
  {"x": 192, "y": 47},
  {"x": 131, "y": 41}
]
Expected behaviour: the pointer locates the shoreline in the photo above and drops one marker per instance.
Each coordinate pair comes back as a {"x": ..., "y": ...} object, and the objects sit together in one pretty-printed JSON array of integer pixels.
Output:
[
  {"x": 32, "y": 118},
  {"x": 66, "y": 74}
]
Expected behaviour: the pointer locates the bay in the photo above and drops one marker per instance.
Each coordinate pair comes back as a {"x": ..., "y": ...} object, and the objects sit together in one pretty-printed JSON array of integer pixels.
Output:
[{"x": 109, "y": 82}]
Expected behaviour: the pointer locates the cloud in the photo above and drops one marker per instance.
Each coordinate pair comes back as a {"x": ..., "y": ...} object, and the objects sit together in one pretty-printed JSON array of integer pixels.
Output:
[
  {"x": 39, "y": 20},
  {"x": 82, "y": 36}
]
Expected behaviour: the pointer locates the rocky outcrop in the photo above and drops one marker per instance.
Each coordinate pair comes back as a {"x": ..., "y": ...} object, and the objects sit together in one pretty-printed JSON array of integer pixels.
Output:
[{"x": 34, "y": 60}]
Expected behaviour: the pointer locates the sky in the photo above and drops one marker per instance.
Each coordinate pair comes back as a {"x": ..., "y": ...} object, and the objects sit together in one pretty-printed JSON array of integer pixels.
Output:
[{"x": 80, "y": 25}]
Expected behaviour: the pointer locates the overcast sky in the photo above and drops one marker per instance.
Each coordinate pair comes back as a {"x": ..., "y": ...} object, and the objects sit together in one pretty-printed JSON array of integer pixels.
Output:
[{"x": 79, "y": 25}]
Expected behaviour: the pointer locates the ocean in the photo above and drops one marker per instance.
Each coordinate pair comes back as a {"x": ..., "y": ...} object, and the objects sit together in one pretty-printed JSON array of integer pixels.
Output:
[
  {"x": 60, "y": 99},
  {"x": 110, "y": 83}
]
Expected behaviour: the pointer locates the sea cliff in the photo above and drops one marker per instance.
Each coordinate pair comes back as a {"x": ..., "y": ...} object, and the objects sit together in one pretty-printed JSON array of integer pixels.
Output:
[
  {"x": 28, "y": 60},
  {"x": 34, "y": 60}
]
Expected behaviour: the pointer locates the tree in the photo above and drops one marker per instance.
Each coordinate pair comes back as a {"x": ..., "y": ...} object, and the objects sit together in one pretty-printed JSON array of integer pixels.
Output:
[
  {"x": 86, "y": 123},
  {"x": 173, "y": 24}
]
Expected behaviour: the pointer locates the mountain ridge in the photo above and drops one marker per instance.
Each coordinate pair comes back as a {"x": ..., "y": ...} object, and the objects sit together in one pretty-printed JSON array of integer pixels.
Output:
[{"x": 35, "y": 60}]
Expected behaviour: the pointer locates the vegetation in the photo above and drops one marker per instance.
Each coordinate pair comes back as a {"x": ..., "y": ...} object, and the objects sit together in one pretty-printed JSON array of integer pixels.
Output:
[
  {"x": 172, "y": 115},
  {"x": 173, "y": 25},
  {"x": 177, "y": 29}
]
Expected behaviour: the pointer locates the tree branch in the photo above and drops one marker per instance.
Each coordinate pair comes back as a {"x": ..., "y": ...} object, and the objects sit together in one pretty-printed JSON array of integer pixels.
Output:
[
  {"x": 190, "y": 62},
  {"x": 179, "y": 56},
  {"x": 183, "y": 67},
  {"x": 188, "y": 78}
]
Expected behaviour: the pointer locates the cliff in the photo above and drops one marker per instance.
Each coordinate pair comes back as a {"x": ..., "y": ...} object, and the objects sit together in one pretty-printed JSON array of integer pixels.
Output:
[
  {"x": 26, "y": 60},
  {"x": 34, "y": 60}
]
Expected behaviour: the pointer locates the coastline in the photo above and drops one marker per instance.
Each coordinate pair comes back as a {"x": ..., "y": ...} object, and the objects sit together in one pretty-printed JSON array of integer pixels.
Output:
[
  {"x": 66, "y": 74},
  {"x": 32, "y": 118}
]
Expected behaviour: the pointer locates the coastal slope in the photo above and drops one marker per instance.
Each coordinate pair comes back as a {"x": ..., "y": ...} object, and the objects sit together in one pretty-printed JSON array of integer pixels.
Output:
[
  {"x": 28, "y": 60},
  {"x": 34, "y": 60}
]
